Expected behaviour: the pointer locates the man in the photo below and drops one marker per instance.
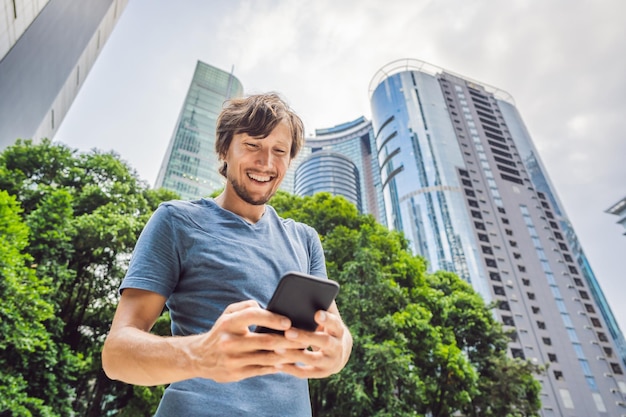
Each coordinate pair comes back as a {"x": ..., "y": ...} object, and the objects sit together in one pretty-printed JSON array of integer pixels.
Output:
[{"x": 214, "y": 263}]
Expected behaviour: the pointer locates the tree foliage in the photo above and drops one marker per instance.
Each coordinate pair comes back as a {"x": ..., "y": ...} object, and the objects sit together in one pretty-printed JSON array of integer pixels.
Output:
[
  {"x": 424, "y": 343},
  {"x": 80, "y": 216}
]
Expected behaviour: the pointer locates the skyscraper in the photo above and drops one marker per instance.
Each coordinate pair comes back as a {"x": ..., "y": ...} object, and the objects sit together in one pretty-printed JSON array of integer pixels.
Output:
[
  {"x": 322, "y": 169},
  {"x": 190, "y": 165},
  {"x": 463, "y": 181},
  {"x": 46, "y": 51}
]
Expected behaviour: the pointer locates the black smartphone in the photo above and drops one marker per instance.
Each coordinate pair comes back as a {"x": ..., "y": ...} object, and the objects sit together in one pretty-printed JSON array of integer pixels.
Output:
[{"x": 298, "y": 296}]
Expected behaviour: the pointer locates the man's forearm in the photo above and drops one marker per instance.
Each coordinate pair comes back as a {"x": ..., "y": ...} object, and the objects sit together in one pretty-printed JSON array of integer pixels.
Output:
[{"x": 140, "y": 358}]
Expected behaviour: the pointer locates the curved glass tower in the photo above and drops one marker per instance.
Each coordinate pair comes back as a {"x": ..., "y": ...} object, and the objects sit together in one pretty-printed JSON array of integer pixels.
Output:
[
  {"x": 190, "y": 165},
  {"x": 330, "y": 172},
  {"x": 354, "y": 140},
  {"x": 462, "y": 180}
]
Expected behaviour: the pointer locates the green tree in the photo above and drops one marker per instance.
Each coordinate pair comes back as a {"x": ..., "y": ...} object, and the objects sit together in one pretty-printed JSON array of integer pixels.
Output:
[
  {"x": 85, "y": 212},
  {"x": 424, "y": 344},
  {"x": 23, "y": 313}
]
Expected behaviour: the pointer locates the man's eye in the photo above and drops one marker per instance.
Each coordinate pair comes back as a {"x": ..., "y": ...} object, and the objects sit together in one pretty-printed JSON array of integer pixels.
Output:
[{"x": 252, "y": 145}]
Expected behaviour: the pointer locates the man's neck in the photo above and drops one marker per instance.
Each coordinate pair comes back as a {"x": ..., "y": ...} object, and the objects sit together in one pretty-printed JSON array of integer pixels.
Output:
[{"x": 249, "y": 212}]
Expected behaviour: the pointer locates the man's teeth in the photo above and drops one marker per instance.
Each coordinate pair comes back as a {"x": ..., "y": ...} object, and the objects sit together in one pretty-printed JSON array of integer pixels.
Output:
[{"x": 260, "y": 178}]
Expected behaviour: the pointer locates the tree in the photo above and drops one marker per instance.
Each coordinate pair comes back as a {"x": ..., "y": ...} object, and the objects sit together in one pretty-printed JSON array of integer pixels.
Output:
[
  {"x": 424, "y": 344},
  {"x": 23, "y": 313},
  {"x": 84, "y": 212}
]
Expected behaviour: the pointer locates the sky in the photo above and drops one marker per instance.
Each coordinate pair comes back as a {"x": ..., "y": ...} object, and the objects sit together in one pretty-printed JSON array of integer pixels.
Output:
[{"x": 563, "y": 62}]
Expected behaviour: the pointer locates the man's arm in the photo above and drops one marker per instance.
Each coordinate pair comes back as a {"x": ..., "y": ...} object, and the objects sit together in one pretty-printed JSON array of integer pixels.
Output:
[{"x": 228, "y": 352}]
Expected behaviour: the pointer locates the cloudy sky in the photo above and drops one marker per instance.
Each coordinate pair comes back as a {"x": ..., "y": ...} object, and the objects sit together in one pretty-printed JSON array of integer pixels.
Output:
[{"x": 563, "y": 61}]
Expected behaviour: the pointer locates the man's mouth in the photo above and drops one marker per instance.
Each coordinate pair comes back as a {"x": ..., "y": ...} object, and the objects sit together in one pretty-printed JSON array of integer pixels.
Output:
[{"x": 260, "y": 177}]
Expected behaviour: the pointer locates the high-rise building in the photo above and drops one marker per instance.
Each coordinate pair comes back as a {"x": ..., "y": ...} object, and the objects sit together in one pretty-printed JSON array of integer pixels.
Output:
[
  {"x": 47, "y": 48},
  {"x": 190, "y": 165},
  {"x": 464, "y": 183},
  {"x": 339, "y": 156},
  {"x": 619, "y": 209}
]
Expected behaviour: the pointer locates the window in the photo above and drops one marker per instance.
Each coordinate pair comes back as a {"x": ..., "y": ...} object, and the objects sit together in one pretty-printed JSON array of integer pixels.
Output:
[
  {"x": 487, "y": 250},
  {"x": 472, "y": 203},
  {"x": 563, "y": 246},
  {"x": 504, "y": 305},
  {"x": 616, "y": 368},
  {"x": 502, "y": 210},
  {"x": 521, "y": 268},
  {"x": 536, "y": 310},
  {"x": 517, "y": 353},
  {"x": 602, "y": 337},
  {"x": 541, "y": 325},
  {"x": 596, "y": 322},
  {"x": 558, "y": 375},
  {"x": 547, "y": 341},
  {"x": 578, "y": 282},
  {"x": 554, "y": 225},
  {"x": 531, "y": 295},
  {"x": 483, "y": 237},
  {"x": 470, "y": 193},
  {"x": 558, "y": 235},
  {"x": 476, "y": 214},
  {"x": 495, "y": 276},
  {"x": 466, "y": 182},
  {"x": 491, "y": 262},
  {"x": 552, "y": 357},
  {"x": 479, "y": 226},
  {"x": 508, "y": 321},
  {"x": 498, "y": 290},
  {"x": 589, "y": 308},
  {"x": 513, "y": 243},
  {"x": 526, "y": 282},
  {"x": 508, "y": 232},
  {"x": 608, "y": 352},
  {"x": 463, "y": 173},
  {"x": 572, "y": 269},
  {"x": 583, "y": 295},
  {"x": 516, "y": 255},
  {"x": 505, "y": 220},
  {"x": 568, "y": 258}
]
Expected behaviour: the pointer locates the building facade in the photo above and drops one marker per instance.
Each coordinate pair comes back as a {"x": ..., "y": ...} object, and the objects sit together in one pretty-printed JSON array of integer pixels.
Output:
[
  {"x": 462, "y": 180},
  {"x": 190, "y": 165},
  {"x": 619, "y": 209},
  {"x": 321, "y": 168},
  {"x": 47, "y": 48}
]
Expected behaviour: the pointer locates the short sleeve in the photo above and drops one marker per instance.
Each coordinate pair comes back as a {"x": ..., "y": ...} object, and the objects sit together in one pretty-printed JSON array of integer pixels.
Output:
[
  {"x": 317, "y": 261},
  {"x": 155, "y": 262}
]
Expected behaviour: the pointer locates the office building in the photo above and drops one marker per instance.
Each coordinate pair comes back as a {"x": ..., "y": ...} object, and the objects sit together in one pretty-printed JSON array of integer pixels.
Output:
[
  {"x": 190, "y": 165},
  {"x": 47, "y": 48},
  {"x": 464, "y": 183},
  {"x": 619, "y": 209},
  {"x": 342, "y": 160}
]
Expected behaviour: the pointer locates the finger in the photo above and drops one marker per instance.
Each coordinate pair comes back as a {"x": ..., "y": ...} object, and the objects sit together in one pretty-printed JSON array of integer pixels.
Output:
[
  {"x": 242, "y": 305},
  {"x": 239, "y": 320},
  {"x": 331, "y": 323}
]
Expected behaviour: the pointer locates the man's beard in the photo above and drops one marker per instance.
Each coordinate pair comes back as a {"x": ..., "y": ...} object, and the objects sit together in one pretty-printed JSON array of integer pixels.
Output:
[{"x": 245, "y": 196}]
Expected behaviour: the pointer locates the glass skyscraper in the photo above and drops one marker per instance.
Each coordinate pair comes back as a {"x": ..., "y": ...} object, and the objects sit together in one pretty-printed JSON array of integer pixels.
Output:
[
  {"x": 462, "y": 180},
  {"x": 318, "y": 168},
  {"x": 47, "y": 48},
  {"x": 190, "y": 165}
]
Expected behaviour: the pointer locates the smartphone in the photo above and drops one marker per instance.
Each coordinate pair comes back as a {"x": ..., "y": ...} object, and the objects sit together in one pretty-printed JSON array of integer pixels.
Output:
[{"x": 299, "y": 296}]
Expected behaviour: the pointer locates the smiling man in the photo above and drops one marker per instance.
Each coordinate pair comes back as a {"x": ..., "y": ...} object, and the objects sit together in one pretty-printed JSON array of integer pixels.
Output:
[{"x": 213, "y": 262}]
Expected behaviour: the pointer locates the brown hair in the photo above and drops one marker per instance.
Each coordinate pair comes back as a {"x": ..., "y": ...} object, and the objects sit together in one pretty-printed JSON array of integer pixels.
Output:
[{"x": 257, "y": 116}]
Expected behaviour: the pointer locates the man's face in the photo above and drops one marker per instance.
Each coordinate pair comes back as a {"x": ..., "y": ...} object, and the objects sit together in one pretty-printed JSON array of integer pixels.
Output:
[{"x": 256, "y": 167}]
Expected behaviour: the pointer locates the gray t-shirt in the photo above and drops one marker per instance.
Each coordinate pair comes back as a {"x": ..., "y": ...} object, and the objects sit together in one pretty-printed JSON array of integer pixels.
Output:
[{"x": 203, "y": 258}]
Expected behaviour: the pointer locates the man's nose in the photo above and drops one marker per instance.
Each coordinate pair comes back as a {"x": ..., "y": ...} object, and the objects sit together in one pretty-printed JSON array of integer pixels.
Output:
[{"x": 265, "y": 158}]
